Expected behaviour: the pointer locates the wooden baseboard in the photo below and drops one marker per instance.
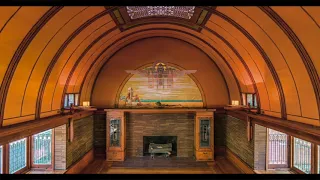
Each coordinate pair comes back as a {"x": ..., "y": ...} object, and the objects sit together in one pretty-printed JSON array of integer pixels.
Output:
[
  {"x": 82, "y": 163},
  {"x": 238, "y": 162}
]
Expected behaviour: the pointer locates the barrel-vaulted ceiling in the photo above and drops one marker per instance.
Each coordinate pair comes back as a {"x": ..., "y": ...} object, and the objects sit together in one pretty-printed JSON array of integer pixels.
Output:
[{"x": 46, "y": 52}]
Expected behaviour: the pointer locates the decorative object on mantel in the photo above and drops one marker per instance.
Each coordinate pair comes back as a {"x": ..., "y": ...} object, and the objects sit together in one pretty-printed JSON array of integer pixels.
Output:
[
  {"x": 86, "y": 103},
  {"x": 160, "y": 86},
  {"x": 86, "y": 106}
]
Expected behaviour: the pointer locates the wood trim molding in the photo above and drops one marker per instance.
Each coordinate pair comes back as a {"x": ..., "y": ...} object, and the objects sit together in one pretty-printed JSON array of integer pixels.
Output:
[
  {"x": 4, "y": 88},
  {"x": 238, "y": 162},
  {"x": 18, "y": 131},
  {"x": 79, "y": 166},
  {"x": 300, "y": 130}
]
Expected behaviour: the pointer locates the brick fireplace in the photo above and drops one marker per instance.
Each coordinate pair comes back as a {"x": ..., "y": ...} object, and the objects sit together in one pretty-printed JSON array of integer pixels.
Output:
[{"x": 139, "y": 125}]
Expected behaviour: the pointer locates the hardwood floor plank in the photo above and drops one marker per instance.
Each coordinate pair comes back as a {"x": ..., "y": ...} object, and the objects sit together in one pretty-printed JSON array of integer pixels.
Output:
[{"x": 220, "y": 166}]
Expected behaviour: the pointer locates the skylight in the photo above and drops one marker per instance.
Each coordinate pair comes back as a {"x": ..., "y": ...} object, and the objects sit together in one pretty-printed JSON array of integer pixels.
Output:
[{"x": 136, "y": 12}]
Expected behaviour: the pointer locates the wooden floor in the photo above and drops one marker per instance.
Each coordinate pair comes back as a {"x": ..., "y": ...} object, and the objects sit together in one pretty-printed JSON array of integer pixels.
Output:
[{"x": 220, "y": 166}]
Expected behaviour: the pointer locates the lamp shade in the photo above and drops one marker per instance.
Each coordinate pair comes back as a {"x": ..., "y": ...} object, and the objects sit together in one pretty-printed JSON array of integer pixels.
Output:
[
  {"x": 235, "y": 103},
  {"x": 86, "y": 103}
]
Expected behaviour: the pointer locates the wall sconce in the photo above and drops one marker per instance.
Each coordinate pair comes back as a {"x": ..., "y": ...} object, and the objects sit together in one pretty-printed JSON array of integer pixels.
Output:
[
  {"x": 235, "y": 103},
  {"x": 86, "y": 103}
]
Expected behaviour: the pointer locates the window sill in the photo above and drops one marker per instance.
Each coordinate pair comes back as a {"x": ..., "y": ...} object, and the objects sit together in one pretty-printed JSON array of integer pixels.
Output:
[
  {"x": 274, "y": 172},
  {"x": 37, "y": 171}
]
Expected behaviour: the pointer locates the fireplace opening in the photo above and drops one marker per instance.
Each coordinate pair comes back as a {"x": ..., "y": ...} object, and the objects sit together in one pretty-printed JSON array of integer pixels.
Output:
[{"x": 159, "y": 140}]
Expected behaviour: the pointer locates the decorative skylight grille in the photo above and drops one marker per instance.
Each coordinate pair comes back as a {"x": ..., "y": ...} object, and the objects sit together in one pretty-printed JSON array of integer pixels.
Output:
[{"x": 136, "y": 12}]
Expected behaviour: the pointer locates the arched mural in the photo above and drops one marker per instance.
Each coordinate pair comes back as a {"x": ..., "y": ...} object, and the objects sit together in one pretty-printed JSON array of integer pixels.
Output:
[{"x": 160, "y": 86}]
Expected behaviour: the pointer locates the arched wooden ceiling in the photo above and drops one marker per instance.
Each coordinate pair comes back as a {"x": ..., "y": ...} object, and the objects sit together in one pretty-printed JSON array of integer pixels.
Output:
[{"x": 48, "y": 51}]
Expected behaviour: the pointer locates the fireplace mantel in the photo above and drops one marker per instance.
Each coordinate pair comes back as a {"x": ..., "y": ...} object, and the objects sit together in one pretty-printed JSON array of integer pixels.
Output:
[{"x": 161, "y": 110}]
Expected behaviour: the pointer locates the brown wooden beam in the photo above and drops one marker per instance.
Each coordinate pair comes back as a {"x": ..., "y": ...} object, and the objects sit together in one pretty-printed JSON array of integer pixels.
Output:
[
  {"x": 300, "y": 130},
  {"x": 18, "y": 131}
]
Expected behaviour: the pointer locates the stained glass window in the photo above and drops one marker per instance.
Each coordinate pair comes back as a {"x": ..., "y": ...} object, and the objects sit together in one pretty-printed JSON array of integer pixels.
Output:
[
  {"x": 302, "y": 155},
  {"x": 1, "y": 161},
  {"x": 42, "y": 148},
  {"x": 204, "y": 133},
  {"x": 136, "y": 12},
  {"x": 17, "y": 155}
]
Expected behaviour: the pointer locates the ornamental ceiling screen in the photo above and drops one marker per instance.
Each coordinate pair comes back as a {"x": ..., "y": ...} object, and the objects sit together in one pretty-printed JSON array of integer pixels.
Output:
[{"x": 136, "y": 12}]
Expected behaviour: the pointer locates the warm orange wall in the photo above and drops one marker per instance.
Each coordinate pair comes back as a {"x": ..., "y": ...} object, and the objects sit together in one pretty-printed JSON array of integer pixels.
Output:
[{"x": 149, "y": 50}]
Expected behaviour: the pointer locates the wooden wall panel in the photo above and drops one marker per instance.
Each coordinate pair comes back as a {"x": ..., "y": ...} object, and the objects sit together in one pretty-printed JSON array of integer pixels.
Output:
[
  {"x": 267, "y": 45},
  {"x": 147, "y": 51},
  {"x": 21, "y": 77},
  {"x": 234, "y": 62},
  {"x": 12, "y": 34},
  {"x": 251, "y": 56},
  {"x": 87, "y": 88},
  {"x": 68, "y": 30},
  {"x": 40, "y": 65},
  {"x": 288, "y": 35},
  {"x": 313, "y": 12},
  {"x": 87, "y": 60},
  {"x": 300, "y": 81},
  {"x": 300, "y": 23},
  {"x": 236, "y": 91},
  {"x": 81, "y": 64},
  {"x": 70, "y": 62},
  {"x": 287, "y": 58},
  {"x": 6, "y": 14}
]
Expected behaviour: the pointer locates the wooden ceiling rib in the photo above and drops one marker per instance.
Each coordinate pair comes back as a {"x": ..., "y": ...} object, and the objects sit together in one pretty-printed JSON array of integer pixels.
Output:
[{"x": 268, "y": 50}]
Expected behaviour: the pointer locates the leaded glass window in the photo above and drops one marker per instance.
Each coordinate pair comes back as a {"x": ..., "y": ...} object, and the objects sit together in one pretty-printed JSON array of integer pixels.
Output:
[
  {"x": 136, "y": 12},
  {"x": 115, "y": 132},
  {"x": 204, "y": 133},
  {"x": 278, "y": 149},
  {"x": 17, "y": 155},
  {"x": 42, "y": 145},
  {"x": 1, "y": 160},
  {"x": 302, "y": 155}
]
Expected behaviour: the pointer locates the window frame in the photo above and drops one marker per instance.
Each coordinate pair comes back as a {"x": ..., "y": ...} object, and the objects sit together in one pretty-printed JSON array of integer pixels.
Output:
[
  {"x": 244, "y": 98},
  {"x": 27, "y": 167},
  {"x": 288, "y": 149},
  {"x": 42, "y": 166},
  {"x": 312, "y": 162},
  {"x": 317, "y": 158},
  {"x": 2, "y": 161},
  {"x": 66, "y": 98}
]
